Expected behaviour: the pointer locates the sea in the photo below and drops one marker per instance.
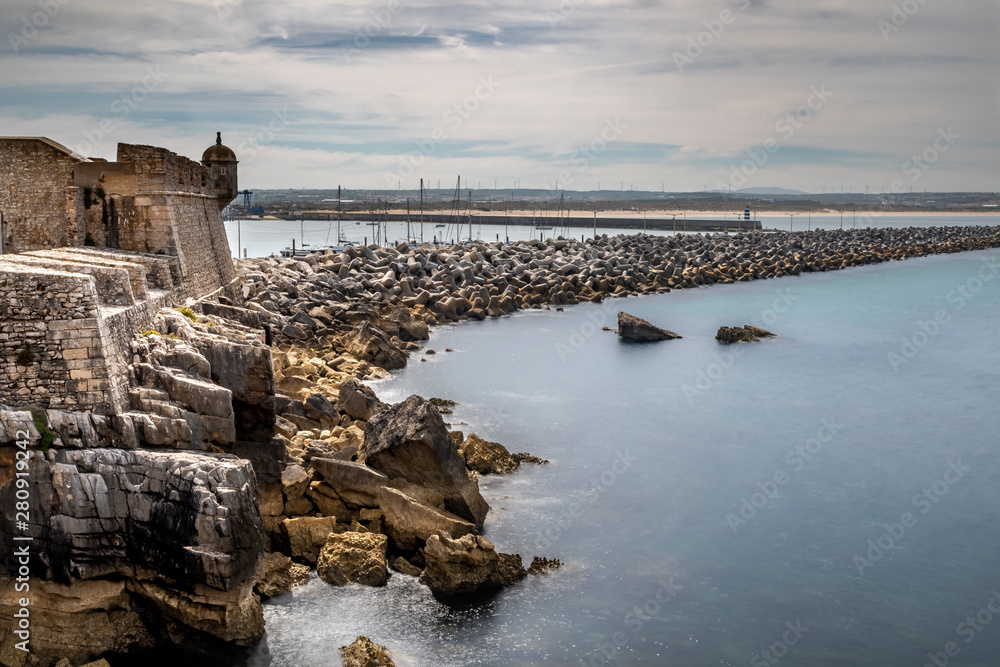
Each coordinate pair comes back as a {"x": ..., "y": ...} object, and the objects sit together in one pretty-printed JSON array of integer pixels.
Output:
[
  {"x": 829, "y": 496},
  {"x": 260, "y": 238}
]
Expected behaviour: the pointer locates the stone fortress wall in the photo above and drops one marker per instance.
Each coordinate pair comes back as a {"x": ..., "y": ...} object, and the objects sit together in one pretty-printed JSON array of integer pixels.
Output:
[{"x": 91, "y": 251}]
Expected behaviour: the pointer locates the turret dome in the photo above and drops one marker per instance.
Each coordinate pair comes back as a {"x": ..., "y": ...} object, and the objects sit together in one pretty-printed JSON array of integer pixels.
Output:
[{"x": 218, "y": 152}]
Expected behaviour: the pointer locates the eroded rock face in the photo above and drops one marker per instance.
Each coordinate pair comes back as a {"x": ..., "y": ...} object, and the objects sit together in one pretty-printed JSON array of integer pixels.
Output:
[
  {"x": 636, "y": 329},
  {"x": 278, "y": 574},
  {"x": 468, "y": 565},
  {"x": 409, "y": 441},
  {"x": 181, "y": 531},
  {"x": 359, "y": 401},
  {"x": 305, "y": 536},
  {"x": 354, "y": 557}
]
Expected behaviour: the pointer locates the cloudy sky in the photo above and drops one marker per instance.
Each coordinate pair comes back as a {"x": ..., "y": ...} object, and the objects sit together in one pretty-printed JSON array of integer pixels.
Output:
[{"x": 573, "y": 94}]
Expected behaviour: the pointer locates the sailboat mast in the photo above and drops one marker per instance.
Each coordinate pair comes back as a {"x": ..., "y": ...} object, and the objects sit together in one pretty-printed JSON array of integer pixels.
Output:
[{"x": 421, "y": 211}]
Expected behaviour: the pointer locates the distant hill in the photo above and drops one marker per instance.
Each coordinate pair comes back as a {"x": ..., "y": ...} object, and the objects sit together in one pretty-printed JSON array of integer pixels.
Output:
[{"x": 770, "y": 191}]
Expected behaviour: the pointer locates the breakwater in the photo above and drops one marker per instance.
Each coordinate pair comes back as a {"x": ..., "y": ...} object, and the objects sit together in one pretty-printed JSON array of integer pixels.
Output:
[{"x": 323, "y": 296}]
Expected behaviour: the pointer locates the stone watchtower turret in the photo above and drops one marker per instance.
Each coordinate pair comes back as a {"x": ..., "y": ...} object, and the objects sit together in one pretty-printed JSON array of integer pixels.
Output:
[{"x": 221, "y": 162}]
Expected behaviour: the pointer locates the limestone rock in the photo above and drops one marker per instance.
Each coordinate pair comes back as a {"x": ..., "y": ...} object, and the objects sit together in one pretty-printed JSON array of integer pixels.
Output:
[
  {"x": 366, "y": 653},
  {"x": 305, "y": 536},
  {"x": 369, "y": 343},
  {"x": 278, "y": 574},
  {"x": 359, "y": 401},
  {"x": 354, "y": 558},
  {"x": 404, "y": 566},
  {"x": 633, "y": 328},
  {"x": 744, "y": 334},
  {"x": 487, "y": 458},
  {"x": 541, "y": 565},
  {"x": 294, "y": 482},
  {"x": 409, "y": 441},
  {"x": 356, "y": 484},
  {"x": 410, "y": 523},
  {"x": 468, "y": 565}
]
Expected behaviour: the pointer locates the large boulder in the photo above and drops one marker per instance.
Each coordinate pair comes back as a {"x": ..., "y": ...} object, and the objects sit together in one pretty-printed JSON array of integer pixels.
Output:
[
  {"x": 356, "y": 484},
  {"x": 467, "y": 565},
  {"x": 487, "y": 458},
  {"x": 305, "y": 536},
  {"x": 744, "y": 334},
  {"x": 357, "y": 558},
  {"x": 358, "y": 401},
  {"x": 278, "y": 574},
  {"x": 636, "y": 329},
  {"x": 409, "y": 441},
  {"x": 410, "y": 523},
  {"x": 366, "y": 653},
  {"x": 369, "y": 343}
]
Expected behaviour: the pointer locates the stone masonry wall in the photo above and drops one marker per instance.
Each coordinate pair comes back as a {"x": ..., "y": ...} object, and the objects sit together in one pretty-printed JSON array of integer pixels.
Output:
[
  {"x": 54, "y": 340},
  {"x": 181, "y": 216},
  {"x": 39, "y": 201}
]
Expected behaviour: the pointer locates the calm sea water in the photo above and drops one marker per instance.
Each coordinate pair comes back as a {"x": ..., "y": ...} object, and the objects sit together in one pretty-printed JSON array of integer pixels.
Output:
[
  {"x": 829, "y": 497},
  {"x": 261, "y": 238}
]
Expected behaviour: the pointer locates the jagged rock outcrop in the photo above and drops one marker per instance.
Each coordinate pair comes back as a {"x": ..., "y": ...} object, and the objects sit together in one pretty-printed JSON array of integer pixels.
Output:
[
  {"x": 366, "y": 653},
  {"x": 744, "y": 334},
  {"x": 304, "y": 537},
  {"x": 354, "y": 557},
  {"x": 359, "y": 401},
  {"x": 467, "y": 565},
  {"x": 492, "y": 458},
  {"x": 180, "y": 531},
  {"x": 638, "y": 330},
  {"x": 409, "y": 441},
  {"x": 410, "y": 523}
]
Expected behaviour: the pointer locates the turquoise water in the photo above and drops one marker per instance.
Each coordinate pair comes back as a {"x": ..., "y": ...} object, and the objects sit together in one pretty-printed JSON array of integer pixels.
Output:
[{"x": 830, "y": 440}]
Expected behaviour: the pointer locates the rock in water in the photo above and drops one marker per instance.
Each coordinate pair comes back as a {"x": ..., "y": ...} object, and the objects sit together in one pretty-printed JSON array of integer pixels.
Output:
[
  {"x": 369, "y": 343},
  {"x": 357, "y": 558},
  {"x": 745, "y": 334},
  {"x": 639, "y": 330},
  {"x": 358, "y": 401},
  {"x": 467, "y": 566},
  {"x": 366, "y": 653},
  {"x": 409, "y": 440},
  {"x": 487, "y": 458}
]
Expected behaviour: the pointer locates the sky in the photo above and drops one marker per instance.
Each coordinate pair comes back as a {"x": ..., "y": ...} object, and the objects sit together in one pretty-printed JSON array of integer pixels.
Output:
[{"x": 819, "y": 96}]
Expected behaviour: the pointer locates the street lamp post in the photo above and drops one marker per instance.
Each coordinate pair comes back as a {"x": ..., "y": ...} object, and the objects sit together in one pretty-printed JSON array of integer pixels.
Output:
[{"x": 791, "y": 217}]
